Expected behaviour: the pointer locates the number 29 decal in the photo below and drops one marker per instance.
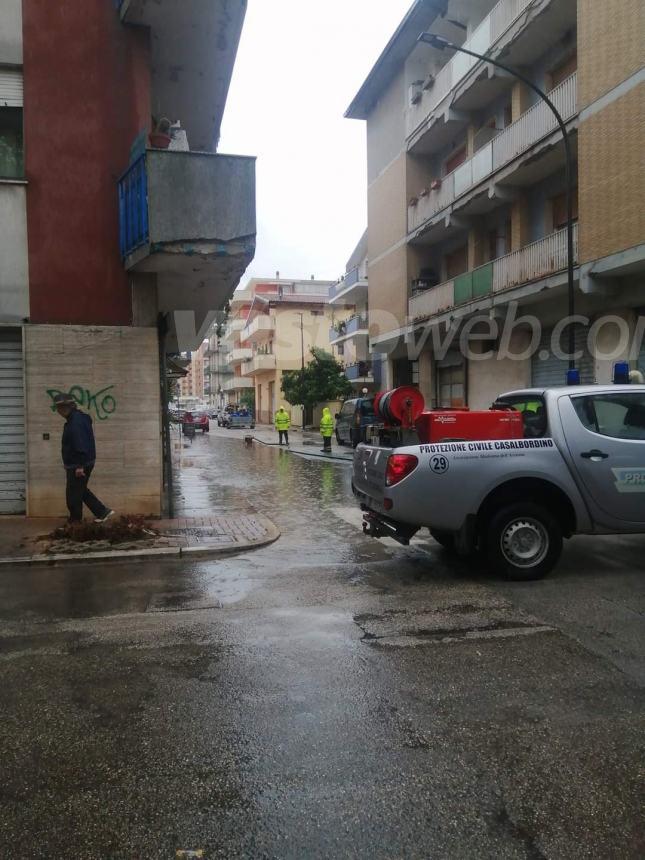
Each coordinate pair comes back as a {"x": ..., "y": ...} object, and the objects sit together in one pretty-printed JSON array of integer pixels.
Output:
[{"x": 439, "y": 464}]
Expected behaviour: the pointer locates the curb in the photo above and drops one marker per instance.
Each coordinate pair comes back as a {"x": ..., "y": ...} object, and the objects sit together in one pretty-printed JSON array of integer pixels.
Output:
[{"x": 273, "y": 533}]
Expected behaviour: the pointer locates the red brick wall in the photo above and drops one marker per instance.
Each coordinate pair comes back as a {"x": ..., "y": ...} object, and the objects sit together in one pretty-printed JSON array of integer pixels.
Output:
[{"x": 87, "y": 96}]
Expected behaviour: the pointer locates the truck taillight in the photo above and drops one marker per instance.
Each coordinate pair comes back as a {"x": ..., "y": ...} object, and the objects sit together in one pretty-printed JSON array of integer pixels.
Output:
[{"x": 399, "y": 466}]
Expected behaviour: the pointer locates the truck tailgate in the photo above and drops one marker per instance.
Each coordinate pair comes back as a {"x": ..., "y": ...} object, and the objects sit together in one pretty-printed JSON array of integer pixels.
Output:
[{"x": 370, "y": 466}]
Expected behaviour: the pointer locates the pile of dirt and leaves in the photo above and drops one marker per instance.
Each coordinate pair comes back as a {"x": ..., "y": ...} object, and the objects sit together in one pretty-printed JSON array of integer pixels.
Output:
[{"x": 124, "y": 531}]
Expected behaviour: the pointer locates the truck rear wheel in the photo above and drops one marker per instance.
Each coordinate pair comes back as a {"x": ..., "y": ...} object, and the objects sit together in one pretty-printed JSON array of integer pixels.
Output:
[{"x": 523, "y": 541}]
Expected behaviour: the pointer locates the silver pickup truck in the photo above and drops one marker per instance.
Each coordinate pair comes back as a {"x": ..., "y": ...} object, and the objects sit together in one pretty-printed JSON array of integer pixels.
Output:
[{"x": 580, "y": 469}]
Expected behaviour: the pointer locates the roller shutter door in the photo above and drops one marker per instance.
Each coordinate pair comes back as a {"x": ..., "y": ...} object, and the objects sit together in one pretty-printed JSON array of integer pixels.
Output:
[
  {"x": 10, "y": 88},
  {"x": 548, "y": 369},
  {"x": 12, "y": 423}
]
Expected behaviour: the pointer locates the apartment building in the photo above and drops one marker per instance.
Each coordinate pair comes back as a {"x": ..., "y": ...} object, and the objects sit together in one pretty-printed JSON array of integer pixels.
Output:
[
  {"x": 277, "y": 323},
  {"x": 217, "y": 371},
  {"x": 122, "y": 231},
  {"x": 349, "y": 334},
  {"x": 237, "y": 354},
  {"x": 466, "y": 195},
  {"x": 193, "y": 385}
]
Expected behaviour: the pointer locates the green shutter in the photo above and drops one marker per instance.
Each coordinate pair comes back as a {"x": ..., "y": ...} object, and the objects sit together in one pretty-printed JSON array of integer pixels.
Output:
[
  {"x": 482, "y": 280},
  {"x": 463, "y": 288}
]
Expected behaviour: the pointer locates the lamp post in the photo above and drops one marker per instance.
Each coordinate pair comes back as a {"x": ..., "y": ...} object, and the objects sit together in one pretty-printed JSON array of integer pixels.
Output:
[
  {"x": 302, "y": 341},
  {"x": 440, "y": 43}
]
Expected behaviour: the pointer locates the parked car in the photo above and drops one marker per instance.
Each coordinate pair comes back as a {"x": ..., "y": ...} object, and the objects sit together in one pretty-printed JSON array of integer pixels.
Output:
[
  {"x": 197, "y": 420},
  {"x": 223, "y": 415},
  {"x": 354, "y": 416}
]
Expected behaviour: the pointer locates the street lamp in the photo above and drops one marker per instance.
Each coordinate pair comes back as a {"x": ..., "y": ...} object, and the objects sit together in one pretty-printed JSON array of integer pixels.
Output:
[
  {"x": 302, "y": 340},
  {"x": 440, "y": 43}
]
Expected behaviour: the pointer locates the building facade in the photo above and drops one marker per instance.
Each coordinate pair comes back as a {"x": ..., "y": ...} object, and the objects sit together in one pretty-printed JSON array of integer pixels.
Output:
[
  {"x": 467, "y": 217},
  {"x": 122, "y": 231},
  {"x": 276, "y": 323},
  {"x": 349, "y": 334}
]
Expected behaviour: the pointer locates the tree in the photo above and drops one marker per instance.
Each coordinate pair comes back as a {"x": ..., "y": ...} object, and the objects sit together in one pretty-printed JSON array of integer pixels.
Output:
[
  {"x": 247, "y": 398},
  {"x": 323, "y": 379}
]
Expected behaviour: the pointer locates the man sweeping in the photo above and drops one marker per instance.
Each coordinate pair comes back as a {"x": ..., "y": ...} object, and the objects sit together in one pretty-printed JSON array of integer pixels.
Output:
[{"x": 79, "y": 457}]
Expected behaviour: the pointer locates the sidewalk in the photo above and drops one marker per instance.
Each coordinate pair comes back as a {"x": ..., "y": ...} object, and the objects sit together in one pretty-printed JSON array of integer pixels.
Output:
[
  {"x": 181, "y": 537},
  {"x": 307, "y": 443}
]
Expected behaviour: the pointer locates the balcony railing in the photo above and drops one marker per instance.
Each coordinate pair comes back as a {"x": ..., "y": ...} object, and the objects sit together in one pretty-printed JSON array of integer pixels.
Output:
[
  {"x": 534, "y": 261},
  {"x": 352, "y": 326},
  {"x": 482, "y": 40},
  {"x": 237, "y": 383},
  {"x": 532, "y": 126},
  {"x": 262, "y": 324},
  {"x": 237, "y": 356},
  {"x": 133, "y": 208},
  {"x": 357, "y": 275},
  {"x": 360, "y": 370},
  {"x": 259, "y": 363}
]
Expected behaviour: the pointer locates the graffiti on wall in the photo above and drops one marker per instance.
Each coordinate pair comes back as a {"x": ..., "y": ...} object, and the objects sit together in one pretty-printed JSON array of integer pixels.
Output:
[{"x": 101, "y": 403}]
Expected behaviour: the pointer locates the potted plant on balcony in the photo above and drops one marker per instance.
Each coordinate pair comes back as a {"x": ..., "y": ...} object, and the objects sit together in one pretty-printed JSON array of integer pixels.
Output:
[{"x": 160, "y": 138}]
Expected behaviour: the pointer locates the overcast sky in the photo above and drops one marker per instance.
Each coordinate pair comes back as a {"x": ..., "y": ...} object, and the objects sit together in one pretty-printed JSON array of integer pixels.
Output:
[{"x": 299, "y": 65}]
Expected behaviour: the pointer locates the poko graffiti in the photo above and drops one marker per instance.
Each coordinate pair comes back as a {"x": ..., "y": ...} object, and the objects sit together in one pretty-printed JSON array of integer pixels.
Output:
[{"x": 102, "y": 403}]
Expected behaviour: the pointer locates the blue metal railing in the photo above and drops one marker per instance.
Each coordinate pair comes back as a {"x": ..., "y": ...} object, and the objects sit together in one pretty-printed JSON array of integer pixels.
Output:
[
  {"x": 349, "y": 279},
  {"x": 359, "y": 370},
  {"x": 133, "y": 207}
]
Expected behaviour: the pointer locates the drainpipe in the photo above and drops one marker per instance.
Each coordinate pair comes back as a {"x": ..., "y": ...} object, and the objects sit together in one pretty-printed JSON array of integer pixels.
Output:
[{"x": 162, "y": 328}]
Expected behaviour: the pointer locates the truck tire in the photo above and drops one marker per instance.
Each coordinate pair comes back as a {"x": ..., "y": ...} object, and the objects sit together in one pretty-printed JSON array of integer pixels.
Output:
[
  {"x": 523, "y": 541},
  {"x": 446, "y": 539}
]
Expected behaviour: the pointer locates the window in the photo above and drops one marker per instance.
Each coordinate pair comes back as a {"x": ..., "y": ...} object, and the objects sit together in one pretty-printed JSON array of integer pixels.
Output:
[
  {"x": 533, "y": 411},
  {"x": 559, "y": 208},
  {"x": 451, "y": 381},
  {"x": 452, "y": 163},
  {"x": 340, "y": 349},
  {"x": 456, "y": 262},
  {"x": 621, "y": 416},
  {"x": 11, "y": 149},
  {"x": 562, "y": 71}
]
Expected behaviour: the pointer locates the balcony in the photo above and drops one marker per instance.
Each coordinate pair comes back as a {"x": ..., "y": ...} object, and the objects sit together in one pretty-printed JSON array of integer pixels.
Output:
[
  {"x": 537, "y": 123},
  {"x": 237, "y": 383},
  {"x": 352, "y": 289},
  {"x": 355, "y": 325},
  {"x": 359, "y": 372},
  {"x": 531, "y": 263},
  {"x": 486, "y": 36},
  {"x": 189, "y": 218},
  {"x": 260, "y": 363},
  {"x": 232, "y": 330},
  {"x": 193, "y": 45},
  {"x": 259, "y": 328},
  {"x": 237, "y": 356}
]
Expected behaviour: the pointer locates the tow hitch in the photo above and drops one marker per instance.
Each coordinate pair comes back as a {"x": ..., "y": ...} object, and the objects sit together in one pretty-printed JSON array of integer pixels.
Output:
[{"x": 378, "y": 527}]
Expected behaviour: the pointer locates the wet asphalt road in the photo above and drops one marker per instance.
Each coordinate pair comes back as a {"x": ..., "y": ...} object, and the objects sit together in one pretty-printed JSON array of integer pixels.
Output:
[{"x": 328, "y": 696}]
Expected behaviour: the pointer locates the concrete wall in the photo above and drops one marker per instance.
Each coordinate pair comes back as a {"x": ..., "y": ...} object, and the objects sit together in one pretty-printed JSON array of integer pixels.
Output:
[
  {"x": 200, "y": 196},
  {"x": 11, "y": 32},
  {"x": 87, "y": 97},
  {"x": 115, "y": 373},
  {"x": 14, "y": 266},
  {"x": 386, "y": 128}
]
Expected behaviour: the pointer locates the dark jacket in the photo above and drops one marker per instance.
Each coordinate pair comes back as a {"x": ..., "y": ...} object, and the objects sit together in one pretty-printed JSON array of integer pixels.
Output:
[{"x": 78, "y": 447}]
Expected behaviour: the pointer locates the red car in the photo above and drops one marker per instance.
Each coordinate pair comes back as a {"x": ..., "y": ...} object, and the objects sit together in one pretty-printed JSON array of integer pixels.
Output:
[{"x": 198, "y": 421}]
